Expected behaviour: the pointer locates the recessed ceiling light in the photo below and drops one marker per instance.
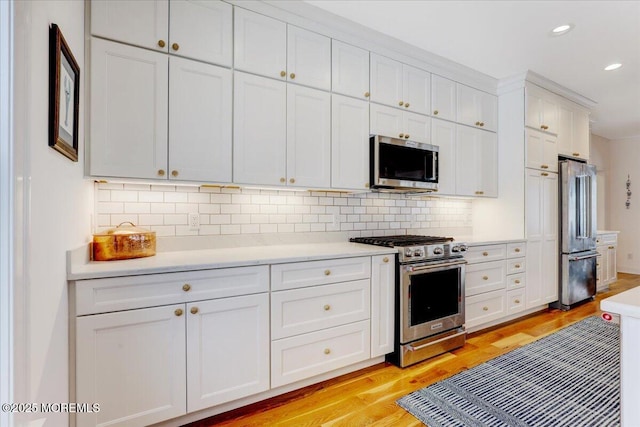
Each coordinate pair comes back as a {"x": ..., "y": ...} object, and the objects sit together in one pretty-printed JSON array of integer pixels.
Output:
[
  {"x": 562, "y": 29},
  {"x": 612, "y": 67}
]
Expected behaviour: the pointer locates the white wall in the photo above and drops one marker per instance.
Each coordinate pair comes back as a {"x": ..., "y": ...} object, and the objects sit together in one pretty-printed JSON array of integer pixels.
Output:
[
  {"x": 599, "y": 156},
  {"x": 624, "y": 160},
  {"x": 58, "y": 203}
]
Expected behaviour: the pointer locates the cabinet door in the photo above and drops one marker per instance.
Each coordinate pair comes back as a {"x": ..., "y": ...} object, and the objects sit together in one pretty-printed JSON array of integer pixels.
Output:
[
  {"x": 139, "y": 22},
  {"x": 386, "y": 121},
  {"x": 227, "y": 349},
  {"x": 443, "y": 98},
  {"x": 260, "y": 130},
  {"x": 350, "y": 70},
  {"x": 386, "y": 81},
  {"x": 488, "y": 111},
  {"x": 129, "y": 99},
  {"x": 134, "y": 364},
  {"x": 417, "y": 127},
  {"x": 550, "y": 113},
  {"x": 542, "y": 151},
  {"x": 443, "y": 134},
  {"x": 260, "y": 44},
  {"x": 199, "y": 121},
  {"x": 416, "y": 85},
  {"x": 541, "y": 109},
  {"x": 611, "y": 269},
  {"x": 308, "y": 58},
  {"x": 565, "y": 129},
  {"x": 580, "y": 134},
  {"x": 308, "y": 137},
  {"x": 383, "y": 279},
  {"x": 349, "y": 143},
  {"x": 488, "y": 167},
  {"x": 476, "y": 108},
  {"x": 550, "y": 232},
  {"x": 467, "y": 165},
  {"x": 202, "y": 30}
]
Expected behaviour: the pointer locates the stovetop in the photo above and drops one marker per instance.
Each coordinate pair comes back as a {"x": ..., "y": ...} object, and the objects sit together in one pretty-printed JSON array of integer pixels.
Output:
[{"x": 414, "y": 248}]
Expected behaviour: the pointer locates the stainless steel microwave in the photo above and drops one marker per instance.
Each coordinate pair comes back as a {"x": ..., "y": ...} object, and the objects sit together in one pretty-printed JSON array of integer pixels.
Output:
[{"x": 403, "y": 165}]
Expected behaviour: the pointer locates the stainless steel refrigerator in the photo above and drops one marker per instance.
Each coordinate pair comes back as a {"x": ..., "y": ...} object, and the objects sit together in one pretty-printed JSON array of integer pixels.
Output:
[{"x": 578, "y": 233}]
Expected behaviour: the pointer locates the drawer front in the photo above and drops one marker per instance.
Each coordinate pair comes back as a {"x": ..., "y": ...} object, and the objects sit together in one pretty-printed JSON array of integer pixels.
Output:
[
  {"x": 515, "y": 300},
  {"x": 304, "y": 356},
  {"x": 516, "y": 265},
  {"x": 516, "y": 250},
  {"x": 515, "y": 281},
  {"x": 485, "y": 307},
  {"x": 484, "y": 277},
  {"x": 299, "y": 311},
  {"x": 125, "y": 293},
  {"x": 485, "y": 253},
  {"x": 602, "y": 239},
  {"x": 312, "y": 273}
]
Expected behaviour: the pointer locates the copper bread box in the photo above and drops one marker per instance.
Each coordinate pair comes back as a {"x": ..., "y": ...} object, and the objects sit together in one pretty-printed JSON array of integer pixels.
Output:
[{"x": 125, "y": 241}]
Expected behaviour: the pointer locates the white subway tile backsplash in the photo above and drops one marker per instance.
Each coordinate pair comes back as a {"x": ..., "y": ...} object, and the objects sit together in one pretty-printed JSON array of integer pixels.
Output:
[{"x": 228, "y": 211}]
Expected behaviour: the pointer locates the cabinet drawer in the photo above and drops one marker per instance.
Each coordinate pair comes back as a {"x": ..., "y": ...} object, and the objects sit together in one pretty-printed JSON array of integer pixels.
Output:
[
  {"x": 515, "y": 300},
  {"x": 485, "y": 253},
  {"x": 606, "y": 239},
  {"x": 299, "y": 311},
  {"x": 516, "y": 250},
  {"x": 485, "y": 307},
  {"x": 311, "y": 273},
  {"x": 515, "y": 281},
  {"x": 125, "y": 293},
  {"x": 484, "y": 277},
  {"x": 304, "y": 356},
  {"x": 515, "y": 265}
]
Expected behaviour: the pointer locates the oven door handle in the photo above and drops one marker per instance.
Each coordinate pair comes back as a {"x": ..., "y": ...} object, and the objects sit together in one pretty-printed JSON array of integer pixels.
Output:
[
  {"x": 412, "y": 268},
  {"x": 431, "y": 343}
]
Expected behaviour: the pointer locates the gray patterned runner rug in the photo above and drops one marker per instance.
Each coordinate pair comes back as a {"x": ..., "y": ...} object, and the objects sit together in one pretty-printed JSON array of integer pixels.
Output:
[{"x": 569, "y": 378}]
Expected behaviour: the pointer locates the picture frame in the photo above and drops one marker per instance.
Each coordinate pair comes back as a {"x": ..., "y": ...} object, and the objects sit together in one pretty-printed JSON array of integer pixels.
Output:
[{"x": 64, "y": 95}]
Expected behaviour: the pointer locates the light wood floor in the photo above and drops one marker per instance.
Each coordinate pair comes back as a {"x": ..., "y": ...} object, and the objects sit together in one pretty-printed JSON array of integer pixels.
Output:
[{"x": 367, "y": 397}]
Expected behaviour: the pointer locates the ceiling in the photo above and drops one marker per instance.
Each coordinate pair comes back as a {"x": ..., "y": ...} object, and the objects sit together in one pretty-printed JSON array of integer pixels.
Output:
[{"x": 506, "y": 38}]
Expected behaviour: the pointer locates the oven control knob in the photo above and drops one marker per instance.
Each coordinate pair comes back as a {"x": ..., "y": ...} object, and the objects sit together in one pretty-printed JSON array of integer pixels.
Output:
[
  {"x": 418, "y": 252},
  {"x": 408, "y": 252},
  {"x": 462, "y": 248},
  {"x": 455, "y": 249},
  {"x": 438, "y": 251}
]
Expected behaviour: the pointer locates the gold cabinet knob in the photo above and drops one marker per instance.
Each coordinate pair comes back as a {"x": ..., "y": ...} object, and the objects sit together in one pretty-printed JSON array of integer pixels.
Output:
[
  {"x": 517, "y": 266},
  {"x": 366, "y": 94},
  {"x": 477, "y": 123},
  {"x": 517, "y": 282},
  {"x": 485, "y": 277},
  {"x": 485, "y": 253},
  {"x": 327, "y": 351},
  {"x": 174, "y": 173},
  {"x": 292, "y": 76},
  {"x": 161, "y": 43},
  {"x": 178, "y": 312},
  {"x": 401, "y": 103},
  {"x": 283, "y": 73},
  {"x": 366, "y": 185},
  {"x": 385, "y": 259},
  {"x": 406, "y": 105},
  {"x": 282, "y": 180},
  {"x": 481, "y": 124},
  {"x": 485, "y": 308},
  {"x": 401, "y": 135},
  {"x": 611, "y": 247},
  {"x": 327, "y": 307},
  {"x": 327, "y": 272},
  {"x": 292, "y": 180},
  {"x": 160, "y": 172},
  {"x": 517, "y": 249},
  {"x": 480, "y": 192},
  {"x": 435, "y": 112},
  {"x": 544, "y": 174},
  {"x": 597, "y": 265},
  {"x": 542, "y": 127},
  {"x": 406, "y": 136},
  {"x": 576, "y": 154},
  {"x": 517, "y": 301},
  {"x": 194, "y": 310},
  {"x": 186, "y": 287},
  {"x": 175, "y": 46}
]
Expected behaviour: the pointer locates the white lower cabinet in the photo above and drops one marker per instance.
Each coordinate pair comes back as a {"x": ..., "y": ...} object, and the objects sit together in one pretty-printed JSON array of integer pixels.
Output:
[
  {"x": 607, "y": 273},
  {"x": 383, "y": 279}
]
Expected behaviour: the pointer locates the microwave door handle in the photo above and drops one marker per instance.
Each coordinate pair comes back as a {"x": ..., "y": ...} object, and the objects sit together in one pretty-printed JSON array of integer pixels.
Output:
[{"x": 434, "y": 165}]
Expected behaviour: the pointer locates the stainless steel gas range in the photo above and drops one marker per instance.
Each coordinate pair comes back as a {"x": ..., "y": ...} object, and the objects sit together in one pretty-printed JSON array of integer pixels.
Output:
[{"x": 429, "y": 295}]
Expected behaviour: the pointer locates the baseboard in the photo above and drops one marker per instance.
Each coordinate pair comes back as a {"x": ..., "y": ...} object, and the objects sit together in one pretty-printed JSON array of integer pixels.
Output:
[{"x": 628, "y": 269}]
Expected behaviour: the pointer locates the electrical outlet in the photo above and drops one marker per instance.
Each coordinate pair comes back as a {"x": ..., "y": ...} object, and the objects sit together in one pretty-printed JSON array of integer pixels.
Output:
[
  {"x": 629, "y": 256},
  {"x": 194, "y": 221}
]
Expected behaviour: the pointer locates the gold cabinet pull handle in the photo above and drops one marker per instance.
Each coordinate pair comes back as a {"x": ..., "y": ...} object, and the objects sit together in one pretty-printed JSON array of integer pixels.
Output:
[
  {"x": 544, "y": 166},
  {"x": 477, "y": 123},
  {"x": 517, "y": 266},
  {"x": 401, "y": 135},
  {"x": 611, "y": 247},
  {"x": 576, "y": 154},
  {"x": 517, "y": 249},
  {"x": 366, "y": 185},
  {"x": 517, "y": 301},
  {"x": 292, "y": 76},
  {"x": 435, "y": 112},
  {"x": 194, "y": 310},
  {"x": 481, "y": 124},
  {"x": 327, "y": 272},
  {"x": 544, "y": 174},
  {"x": 327, "y": 351},
  {"x": 161, "y": 43},
  {"x": 517, "y": 282},
  {"x": 485, "y": 277},
  {"x": 406, "y": 136},
  {"x": 401, "y": 103},
  {"x": 174, "y": 173},
  {"x": 175, "y": 46},
  {"x": 480, "y": 192},
  {"x": 283, "y": 73},
  {"x": 385, "y": 259},
  {"x": 282, "y": 180},
  {"x": 406, "y": 105},
  {"x": 292, "y": 180},
  {"x": 327, "y": 307},
  {"x": 161, "y": 172},
  {"x": 186, "y": 287},
  {"x": 485, "y": 253},
  {"x": 366, "y": 94},
  {"x": 178, "y": 312},
  {"x": 485, "y": 308}
]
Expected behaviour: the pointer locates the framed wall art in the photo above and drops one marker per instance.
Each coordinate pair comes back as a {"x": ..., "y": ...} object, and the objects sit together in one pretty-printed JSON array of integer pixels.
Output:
[{"x": 64, "y": 95}]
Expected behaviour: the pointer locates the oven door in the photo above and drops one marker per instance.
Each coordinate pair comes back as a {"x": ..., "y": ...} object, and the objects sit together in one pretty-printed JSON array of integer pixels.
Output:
[{"x": 432, "y": 298}]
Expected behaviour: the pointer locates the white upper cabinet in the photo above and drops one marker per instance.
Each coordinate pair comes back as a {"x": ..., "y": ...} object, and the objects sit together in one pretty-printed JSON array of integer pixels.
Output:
[
  {"x": 476, "y": 162},
  {"x": 542, "y": 151},
  {"x": 350, "y": 143},
  {"x": 349, "y": 70},
  {"x": 443, "y": 98},
  {"x": 199, "y": 121},
  {"x": 443, "y": 134},
  {"x": 573, "y": 130},
  {"x": 201, "y": 30},
  {"x": 476, "y": 108},
  {"x": 260, "y": 44},
  {"x": 129, "y": 103},
  {"x": 308, "y": 58},
  {"x": 541, "y": 109},
  {"x": 399, "y": 124},
  {"x": 260, "y": 130},
  {"x": 400, "y": 85},
  {"x": 139, "y": 22},
  {"x": 198, "y": 29}
]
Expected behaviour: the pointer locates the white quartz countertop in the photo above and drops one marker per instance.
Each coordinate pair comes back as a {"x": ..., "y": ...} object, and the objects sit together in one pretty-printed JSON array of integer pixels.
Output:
[
  {"x": 481, "y": 242},
  {"x": 607, "y": 232},
  {"x": 625, "y": 304},
  {"x": 80, "y": 267}
]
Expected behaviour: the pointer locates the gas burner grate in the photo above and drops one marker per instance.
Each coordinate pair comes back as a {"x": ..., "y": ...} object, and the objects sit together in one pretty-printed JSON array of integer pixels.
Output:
[{"x": 401, "y": 240}]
